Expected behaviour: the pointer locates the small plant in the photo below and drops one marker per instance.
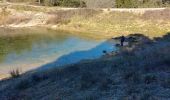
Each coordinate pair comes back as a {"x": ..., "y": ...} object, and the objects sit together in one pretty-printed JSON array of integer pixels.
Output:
[
  {"x": 66, "y": 3},
  {"x": 15, "y": 73}
]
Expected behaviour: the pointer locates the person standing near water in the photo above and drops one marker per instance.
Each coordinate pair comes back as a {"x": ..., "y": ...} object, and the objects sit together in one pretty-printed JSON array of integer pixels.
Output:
[{"x": 122, "y": 40}]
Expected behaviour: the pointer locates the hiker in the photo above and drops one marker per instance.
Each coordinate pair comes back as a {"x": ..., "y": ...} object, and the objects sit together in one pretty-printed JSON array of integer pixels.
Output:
[{"x": 122, "y": 40}]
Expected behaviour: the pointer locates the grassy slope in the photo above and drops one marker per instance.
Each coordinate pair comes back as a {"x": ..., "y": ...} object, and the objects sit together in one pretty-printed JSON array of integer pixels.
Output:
[
  {"x": 117, "y": 23},
  {"x": 140, "y": 72},
  {"x": 101, "y": 23}
]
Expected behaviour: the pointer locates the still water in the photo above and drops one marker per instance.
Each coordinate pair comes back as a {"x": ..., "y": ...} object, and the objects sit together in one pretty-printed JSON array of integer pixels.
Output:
[{"x": 27, "y": 49}]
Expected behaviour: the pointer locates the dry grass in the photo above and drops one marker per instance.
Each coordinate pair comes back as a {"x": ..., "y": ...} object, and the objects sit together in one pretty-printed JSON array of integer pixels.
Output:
[
  {"x": 118, "y": 23},
  {"x": 4, "y": 13},
  {"x": 137, "y": 74},
  {"x": 29, "y": 8},
  {"x": 157, "y": 15},
  {"x": 98, "y": 22},
  {"x": 15, "y": 73},
  {"x": 60, "y": 17},
  {"x": 17, "y": 20}
]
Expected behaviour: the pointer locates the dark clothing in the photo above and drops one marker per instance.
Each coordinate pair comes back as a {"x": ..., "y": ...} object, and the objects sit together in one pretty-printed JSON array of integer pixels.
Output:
[
  {"x": 122, "y": 40},
  {"x": 104, "y": 51}
]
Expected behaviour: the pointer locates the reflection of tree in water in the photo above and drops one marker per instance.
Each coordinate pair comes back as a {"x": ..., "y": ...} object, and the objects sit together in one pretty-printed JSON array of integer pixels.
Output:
[{"x": 21, "y": 43}]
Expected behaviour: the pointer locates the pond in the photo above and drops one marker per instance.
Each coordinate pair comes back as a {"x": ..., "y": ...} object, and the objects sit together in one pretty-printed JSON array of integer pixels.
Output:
[{"x": 27, "y": 49}]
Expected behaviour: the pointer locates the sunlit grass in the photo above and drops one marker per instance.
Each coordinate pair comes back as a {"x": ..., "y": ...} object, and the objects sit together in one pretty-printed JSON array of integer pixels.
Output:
[
  {"x": 95, "y": 21},
  {"x": 116, "y": 24}
]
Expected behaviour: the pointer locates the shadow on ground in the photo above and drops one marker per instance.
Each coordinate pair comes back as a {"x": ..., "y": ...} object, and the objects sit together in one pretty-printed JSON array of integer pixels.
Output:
[
  {"x": 136, "y": 72},
  {"x": 75, "y": 57}
]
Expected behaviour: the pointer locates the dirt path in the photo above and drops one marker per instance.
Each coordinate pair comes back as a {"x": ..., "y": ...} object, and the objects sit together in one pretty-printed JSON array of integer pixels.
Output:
[
  {"x": 136, "y": 10},
  {"x": 132, "y": 10}
]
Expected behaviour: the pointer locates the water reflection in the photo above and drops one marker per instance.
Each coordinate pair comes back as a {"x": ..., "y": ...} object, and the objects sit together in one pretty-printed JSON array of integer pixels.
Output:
[
  {"x": 23, "y": 43},
  {"x": 29, "y": 48}
]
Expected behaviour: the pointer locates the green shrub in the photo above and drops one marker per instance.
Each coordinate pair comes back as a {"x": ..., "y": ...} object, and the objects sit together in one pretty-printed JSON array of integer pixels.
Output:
[
  {"x": 49, "y": 2},
  {"x": 65, "y": 3},
  {"x": 126, "y": 3},
  {"x": 141, "y": 3},
  {"x": 72, "y": 3}
]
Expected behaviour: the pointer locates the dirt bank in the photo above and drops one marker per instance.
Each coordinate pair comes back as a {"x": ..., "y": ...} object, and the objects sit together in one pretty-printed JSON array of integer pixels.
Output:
[{"x": 105, "y": 22}]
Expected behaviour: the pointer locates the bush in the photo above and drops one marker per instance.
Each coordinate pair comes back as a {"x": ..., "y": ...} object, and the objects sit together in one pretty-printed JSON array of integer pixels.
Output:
[
  {"x": 66, "y": 3},
  {"x": 73, "y": 3},
  {"x": 126, "y": 3},
  {"x": 49, "y": 2},
  {"x": 141, "y": 3},
  {"x": 15, "y": 73}
]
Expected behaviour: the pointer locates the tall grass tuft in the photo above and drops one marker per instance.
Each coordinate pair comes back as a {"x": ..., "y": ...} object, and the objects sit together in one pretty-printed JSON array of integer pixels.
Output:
[{"x": 15, "y": 73}]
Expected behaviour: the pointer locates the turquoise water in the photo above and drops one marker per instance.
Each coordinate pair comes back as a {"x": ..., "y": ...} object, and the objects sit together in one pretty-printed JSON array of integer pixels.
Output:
[{"x": 46, "y": 49}]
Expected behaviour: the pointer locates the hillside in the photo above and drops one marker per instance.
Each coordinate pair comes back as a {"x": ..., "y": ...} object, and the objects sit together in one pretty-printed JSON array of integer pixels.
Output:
[
  {"x": 139, "y": 71},
  {"x": 101, "y": 22},
  {"x": 97, "y": 3}
]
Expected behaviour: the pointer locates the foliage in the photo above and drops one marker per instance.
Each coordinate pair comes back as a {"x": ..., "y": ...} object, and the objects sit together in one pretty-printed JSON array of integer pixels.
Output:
[
  {"x": 126, "y": 3},
  {"x": 100, "y": 3},
  {"x": 67, "y": 3},
  {"x": 141, "y": 3}
]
